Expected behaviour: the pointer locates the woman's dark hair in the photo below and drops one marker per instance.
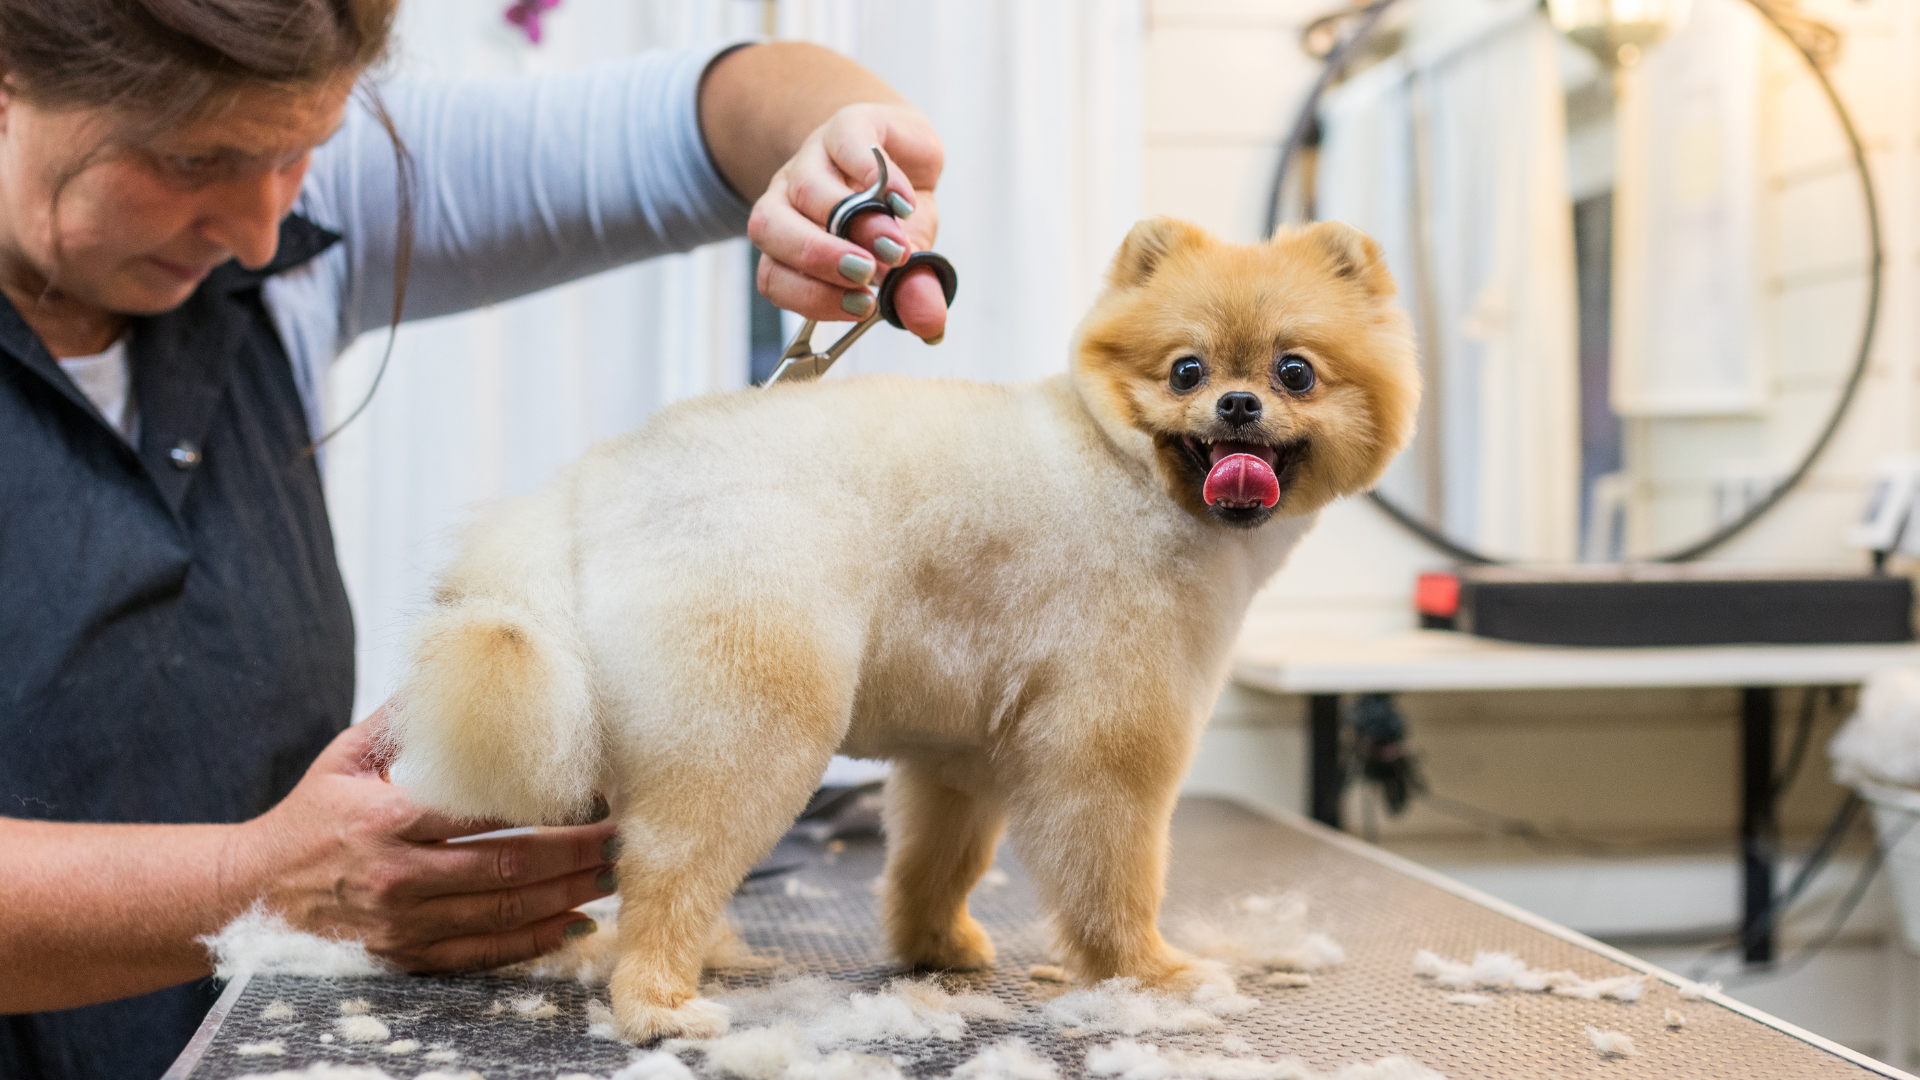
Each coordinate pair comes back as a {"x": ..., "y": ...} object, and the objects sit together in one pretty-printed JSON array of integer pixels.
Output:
[
  {"x": 164, "y": 62},
  {"x": 169, "y": 59}
]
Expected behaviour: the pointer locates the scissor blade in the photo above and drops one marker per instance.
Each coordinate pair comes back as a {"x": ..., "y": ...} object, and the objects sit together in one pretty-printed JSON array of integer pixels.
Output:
[{"x": 799, "y": 369}]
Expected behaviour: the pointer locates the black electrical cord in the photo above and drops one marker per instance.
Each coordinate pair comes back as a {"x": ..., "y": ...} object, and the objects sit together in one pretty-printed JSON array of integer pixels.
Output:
[
  {"x": 1531, "y": 832},
  {"x": 1802, "y": 738},
  {"x": 1805, "y": 44},
  {"x": 1875, "y": 859}
]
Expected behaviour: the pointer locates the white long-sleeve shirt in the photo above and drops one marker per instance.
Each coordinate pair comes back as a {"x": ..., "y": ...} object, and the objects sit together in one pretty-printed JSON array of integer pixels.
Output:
[{"x": 521, "y": 183}]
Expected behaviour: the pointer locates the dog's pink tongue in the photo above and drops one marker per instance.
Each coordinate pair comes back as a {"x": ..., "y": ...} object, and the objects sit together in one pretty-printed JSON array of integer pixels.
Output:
[{"x": 1241, "y": 480}]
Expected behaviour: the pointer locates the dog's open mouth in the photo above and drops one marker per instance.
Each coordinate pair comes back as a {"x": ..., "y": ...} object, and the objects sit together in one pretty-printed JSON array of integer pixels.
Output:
[{"x": 1242, "y": 476}]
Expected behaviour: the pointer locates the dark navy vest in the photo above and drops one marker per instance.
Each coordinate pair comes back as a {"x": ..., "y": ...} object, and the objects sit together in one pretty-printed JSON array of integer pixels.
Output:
[{"x": 175, "y": 643}]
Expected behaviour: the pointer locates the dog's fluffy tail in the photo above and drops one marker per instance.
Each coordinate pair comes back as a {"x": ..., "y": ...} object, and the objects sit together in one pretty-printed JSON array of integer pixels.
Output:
[{"x": 496, "y": 717}]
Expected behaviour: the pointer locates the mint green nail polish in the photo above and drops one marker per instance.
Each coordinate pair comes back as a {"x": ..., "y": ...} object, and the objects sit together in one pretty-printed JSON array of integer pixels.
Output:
[
  {"x": 610, "y": 848},
  {"x": 857, "y": 303},
  {"x": 608, "y": 880},
  {"x": 856, "y": 269},
  {"x": 581, "y": 928},
  {"x": 889, "y": 252},
  {"x": 901, "y": 207}
]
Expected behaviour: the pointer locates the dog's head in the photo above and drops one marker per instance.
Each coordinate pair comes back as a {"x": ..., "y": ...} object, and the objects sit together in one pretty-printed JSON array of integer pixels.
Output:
[{"x": 1258, "y": 379}]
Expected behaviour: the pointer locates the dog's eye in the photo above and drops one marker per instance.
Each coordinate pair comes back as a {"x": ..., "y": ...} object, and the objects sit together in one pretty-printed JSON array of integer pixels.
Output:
[
  {"x": 1188, "y": 372},
  {"x": 1294, "y": 374}
]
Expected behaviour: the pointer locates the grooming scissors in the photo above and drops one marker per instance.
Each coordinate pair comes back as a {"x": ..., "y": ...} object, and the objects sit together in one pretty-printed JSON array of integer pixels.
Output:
[{"x": 799, "y": 363}]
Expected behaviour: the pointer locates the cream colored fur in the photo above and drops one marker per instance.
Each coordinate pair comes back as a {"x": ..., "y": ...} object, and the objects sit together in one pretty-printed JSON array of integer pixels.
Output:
[{"x": 994, "y": 586}]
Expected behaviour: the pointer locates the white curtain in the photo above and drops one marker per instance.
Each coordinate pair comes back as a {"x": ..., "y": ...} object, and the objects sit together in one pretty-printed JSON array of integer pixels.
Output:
[
  {"x": 1453, "y": 154},
  {"x": 1038, "y": 104}
]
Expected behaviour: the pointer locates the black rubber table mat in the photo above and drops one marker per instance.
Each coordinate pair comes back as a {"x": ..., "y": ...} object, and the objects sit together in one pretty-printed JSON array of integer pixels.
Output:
[{"x": 1378, "y": 908}]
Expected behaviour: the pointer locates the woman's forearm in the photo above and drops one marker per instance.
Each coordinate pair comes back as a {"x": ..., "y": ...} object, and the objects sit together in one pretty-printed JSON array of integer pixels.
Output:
[
  {"x": 759, "y": 103},
  {"x": 97, "y": 912}
]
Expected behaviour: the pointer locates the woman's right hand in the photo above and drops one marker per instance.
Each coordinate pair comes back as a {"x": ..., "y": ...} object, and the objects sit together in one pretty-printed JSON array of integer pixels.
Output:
[{"x": 346, "y": 854}]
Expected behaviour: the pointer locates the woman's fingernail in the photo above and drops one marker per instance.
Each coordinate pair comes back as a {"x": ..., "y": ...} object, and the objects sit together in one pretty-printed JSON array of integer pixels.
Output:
[
  {"x": 857, "y": 303},
  {"x": 608, "y": 880},
  {"x": 889, "y": 252},
  {"x": 901, "y": 207},
  {"x": 856, "y": 269},
  {"x": 600, "y": 810},
  {"x": 581, "y": 928},
  {"x": 935, "y": 339}
]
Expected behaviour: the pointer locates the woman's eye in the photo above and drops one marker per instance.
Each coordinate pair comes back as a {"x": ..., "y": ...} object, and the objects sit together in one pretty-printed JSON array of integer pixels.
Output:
[
  {"x": 1188, "y": 372},
  {"x": 1294, "y": 374},
  {"x": 195, "y": 165}
]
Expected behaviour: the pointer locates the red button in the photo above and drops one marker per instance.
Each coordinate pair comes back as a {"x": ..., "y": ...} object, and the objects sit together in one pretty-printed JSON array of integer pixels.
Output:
[{"x": 1437, "y": 594}]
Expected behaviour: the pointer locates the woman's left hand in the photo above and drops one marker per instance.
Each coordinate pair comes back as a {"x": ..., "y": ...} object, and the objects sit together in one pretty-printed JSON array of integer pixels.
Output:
[{"x": 806, "y": 269}]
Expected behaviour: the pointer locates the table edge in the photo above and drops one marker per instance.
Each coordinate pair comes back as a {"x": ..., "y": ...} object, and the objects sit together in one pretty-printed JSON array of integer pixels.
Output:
[{"x": 196, "y": 1047}]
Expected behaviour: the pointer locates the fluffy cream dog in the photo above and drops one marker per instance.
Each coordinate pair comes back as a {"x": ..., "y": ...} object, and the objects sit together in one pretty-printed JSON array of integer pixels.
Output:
[{"x": 1024, "y": 596}]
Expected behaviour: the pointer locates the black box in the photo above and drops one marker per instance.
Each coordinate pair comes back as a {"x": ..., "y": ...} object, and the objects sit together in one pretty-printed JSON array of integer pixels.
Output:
[{"x": 1682, "y": 605}]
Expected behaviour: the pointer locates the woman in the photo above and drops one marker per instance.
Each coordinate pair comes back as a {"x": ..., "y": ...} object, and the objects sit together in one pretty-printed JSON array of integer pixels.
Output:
[{"x": 194, "y": 220}]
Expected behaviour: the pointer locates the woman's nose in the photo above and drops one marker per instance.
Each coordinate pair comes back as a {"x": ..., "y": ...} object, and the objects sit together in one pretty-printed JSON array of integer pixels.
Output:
[{"x": 246, "y": 218}]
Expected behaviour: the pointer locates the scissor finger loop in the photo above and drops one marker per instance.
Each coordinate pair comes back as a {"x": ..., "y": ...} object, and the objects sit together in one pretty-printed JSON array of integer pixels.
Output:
[
  {"x": 871, "y": 201},
  {"x": 799, "y": 362}
]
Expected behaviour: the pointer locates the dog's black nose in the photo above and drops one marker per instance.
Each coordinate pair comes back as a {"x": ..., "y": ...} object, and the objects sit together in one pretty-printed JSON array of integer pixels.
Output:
[{"x": 1238, "y": 408}]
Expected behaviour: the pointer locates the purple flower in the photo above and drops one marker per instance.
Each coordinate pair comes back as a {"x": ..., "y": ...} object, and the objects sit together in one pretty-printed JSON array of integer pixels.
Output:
[{"x": 526, "y": 15}]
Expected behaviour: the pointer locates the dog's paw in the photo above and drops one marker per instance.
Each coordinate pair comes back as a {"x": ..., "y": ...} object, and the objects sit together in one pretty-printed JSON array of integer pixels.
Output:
[
  {"x": 696, "y": 1018},
  {"x": 1189, "y": 977},
  {"x": 959, "y": 946}
]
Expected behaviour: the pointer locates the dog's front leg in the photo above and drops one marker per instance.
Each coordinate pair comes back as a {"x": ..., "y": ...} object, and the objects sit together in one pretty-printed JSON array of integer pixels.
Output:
[{"x": 1091, "y": 796}]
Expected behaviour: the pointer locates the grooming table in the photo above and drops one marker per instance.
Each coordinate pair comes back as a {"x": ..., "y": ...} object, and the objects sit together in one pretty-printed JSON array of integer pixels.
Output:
[{"x": 1378, "y": 907}]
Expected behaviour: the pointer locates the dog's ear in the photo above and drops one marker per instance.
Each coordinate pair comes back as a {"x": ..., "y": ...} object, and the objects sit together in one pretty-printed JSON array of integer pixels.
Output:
[
  {"x": 1352, "y": 254},
  {"x": 1147, "y": 246}
]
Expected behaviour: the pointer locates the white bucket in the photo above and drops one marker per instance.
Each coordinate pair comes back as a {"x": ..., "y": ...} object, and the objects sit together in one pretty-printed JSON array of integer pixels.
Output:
[{"x": 1896, "y": 817}]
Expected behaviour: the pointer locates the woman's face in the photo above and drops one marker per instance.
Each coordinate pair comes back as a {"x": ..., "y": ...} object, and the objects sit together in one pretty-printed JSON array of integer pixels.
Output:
[{"x": 141, "y": 224}]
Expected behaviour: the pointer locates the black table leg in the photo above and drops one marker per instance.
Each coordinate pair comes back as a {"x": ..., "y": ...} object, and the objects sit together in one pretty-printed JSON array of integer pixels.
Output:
[
  {"x": 1759, "y": 832},
  {"x": 1324, "y": 778}
]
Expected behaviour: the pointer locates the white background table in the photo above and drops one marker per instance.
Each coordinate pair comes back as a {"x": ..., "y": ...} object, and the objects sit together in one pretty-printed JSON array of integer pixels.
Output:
[{"x": 1324, "y": 668}]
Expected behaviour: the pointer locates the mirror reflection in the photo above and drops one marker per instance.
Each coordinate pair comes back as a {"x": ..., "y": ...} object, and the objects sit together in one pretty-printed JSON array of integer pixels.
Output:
[{"x": 1643, "y": 302}]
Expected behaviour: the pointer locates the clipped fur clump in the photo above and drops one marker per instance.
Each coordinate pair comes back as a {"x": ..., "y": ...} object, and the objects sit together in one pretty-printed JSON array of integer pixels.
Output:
[
  {"x": 1504, "y": 970},
  {"x": 1611, "y": 1043},
  {"x": 961, "y": 578},
  {"x": 831, "y": 1015},
  {"x": 784, "y": 1052},
  {"x": 260, "y": 942},
  {"x": 1008, "y": 1059},
  {"x": 1124, "y": 1006},
  {"x": 657, "y": 1065},
  {"x": 1263, "y": 933},
  {"x": 362, "y": 1029}
]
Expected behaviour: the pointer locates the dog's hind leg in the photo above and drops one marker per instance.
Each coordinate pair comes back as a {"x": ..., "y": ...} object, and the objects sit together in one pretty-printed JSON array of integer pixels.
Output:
[
  {"x": 939, "y": 841},
  {"x": 722, "y": 742}
]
